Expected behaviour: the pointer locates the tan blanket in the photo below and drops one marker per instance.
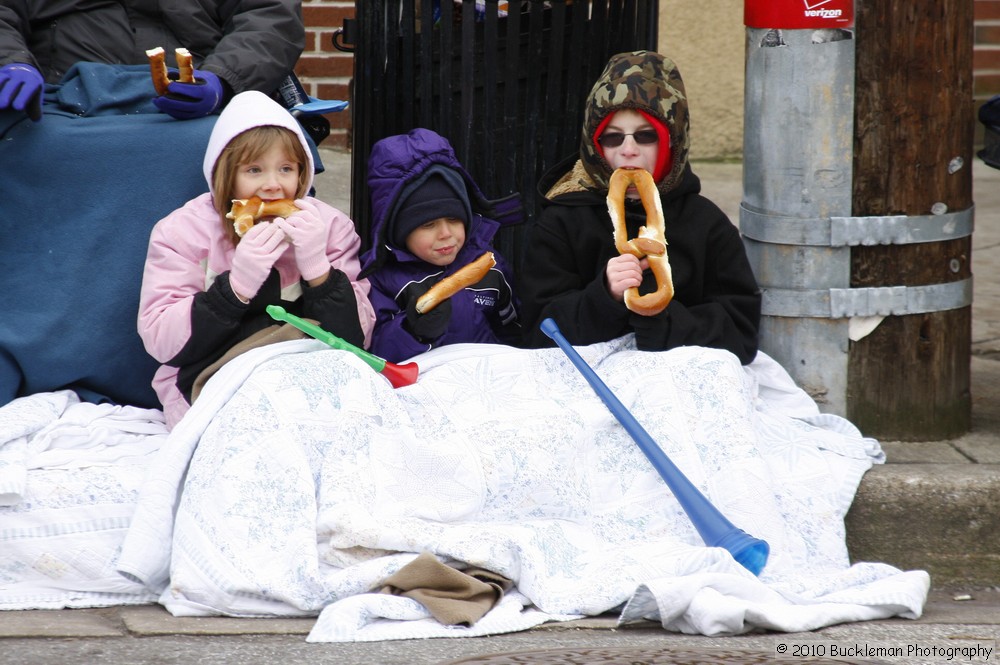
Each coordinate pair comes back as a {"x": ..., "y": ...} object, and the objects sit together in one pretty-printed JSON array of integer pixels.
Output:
[{"x": 453, "y": 597}]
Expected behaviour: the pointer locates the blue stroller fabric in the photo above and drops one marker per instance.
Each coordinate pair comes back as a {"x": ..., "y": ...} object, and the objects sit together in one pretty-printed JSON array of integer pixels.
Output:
[{"x": 82, "y": 189}]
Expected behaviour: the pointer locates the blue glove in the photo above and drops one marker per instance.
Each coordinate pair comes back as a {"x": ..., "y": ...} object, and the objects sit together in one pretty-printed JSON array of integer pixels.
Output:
[
  {"x": 21, "y": 89},
  {"x": 186, "y": 101}
]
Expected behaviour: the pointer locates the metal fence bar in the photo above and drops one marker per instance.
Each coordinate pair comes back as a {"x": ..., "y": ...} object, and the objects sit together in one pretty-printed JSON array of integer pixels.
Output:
[
  {"x": 467, "y": 90},
  {"x": 445, "y": 30},
  {"x": 511, "y": 107},
  {"x": 508, "y": 91},
  {"x": 426, "y": 64},
  {"x": 490, "y": 94},
  {"x": 577, "y": 81},
  {"x": 554, "y": 93}
]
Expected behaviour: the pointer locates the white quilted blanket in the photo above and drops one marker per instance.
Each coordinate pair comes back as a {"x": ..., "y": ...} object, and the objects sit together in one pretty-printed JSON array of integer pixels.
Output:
[
  {"x": 70, "y": 474},
  {"x": 300, "y": 480}
]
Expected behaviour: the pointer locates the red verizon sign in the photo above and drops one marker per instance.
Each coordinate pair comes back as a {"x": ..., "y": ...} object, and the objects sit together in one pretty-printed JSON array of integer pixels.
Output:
[{"x": 791, "y": 14}]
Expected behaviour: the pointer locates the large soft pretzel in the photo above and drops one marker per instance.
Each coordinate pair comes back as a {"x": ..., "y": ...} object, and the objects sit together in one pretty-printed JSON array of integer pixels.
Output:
[
  {"x": 246, "y": 212},
  {"x": 158, "y": 68},
  {"x": 465, "y": 276},
  {"x": 650, "y": 243}
]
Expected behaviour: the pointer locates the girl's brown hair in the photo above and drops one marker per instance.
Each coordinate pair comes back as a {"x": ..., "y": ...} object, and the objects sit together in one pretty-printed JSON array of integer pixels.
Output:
[{"x": 245, "y": 148}]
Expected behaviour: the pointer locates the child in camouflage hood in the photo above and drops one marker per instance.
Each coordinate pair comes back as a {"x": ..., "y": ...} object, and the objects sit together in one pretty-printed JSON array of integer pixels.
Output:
[{"x": 636, "y": 116}]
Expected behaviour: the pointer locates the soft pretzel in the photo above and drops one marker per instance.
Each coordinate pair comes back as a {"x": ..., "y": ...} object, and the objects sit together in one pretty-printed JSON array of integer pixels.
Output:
[
  {"x": 158, "y": 68},
  {"x": 185, "y": 65},
  {"x": 650, "y": 243},
  {"x": 465, "y": 276},
  {"x": 246, "y": 212}
]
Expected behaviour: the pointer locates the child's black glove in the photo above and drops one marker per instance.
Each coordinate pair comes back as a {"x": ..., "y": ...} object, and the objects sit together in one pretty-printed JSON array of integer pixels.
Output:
[{"x": 431, "y": 325}]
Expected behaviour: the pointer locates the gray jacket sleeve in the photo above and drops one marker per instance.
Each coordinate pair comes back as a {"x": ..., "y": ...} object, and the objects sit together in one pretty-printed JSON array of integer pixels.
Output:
[
  {"x": 251, "y": 44},
  {"x": 13, "y": 25}
]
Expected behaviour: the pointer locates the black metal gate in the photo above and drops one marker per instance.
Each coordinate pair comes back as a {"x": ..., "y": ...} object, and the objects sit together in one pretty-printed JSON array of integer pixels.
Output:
[{"x": 506, "y": 89}]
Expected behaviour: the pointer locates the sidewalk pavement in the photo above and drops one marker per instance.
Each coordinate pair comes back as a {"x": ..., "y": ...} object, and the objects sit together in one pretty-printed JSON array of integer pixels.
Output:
[
  {"x": 932, "y": 506},
  {"x": 148, "y": 634}
]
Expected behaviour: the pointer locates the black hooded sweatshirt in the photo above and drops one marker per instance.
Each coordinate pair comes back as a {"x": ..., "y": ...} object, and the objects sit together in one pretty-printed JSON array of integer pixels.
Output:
[{"x": 716, "y": 299}]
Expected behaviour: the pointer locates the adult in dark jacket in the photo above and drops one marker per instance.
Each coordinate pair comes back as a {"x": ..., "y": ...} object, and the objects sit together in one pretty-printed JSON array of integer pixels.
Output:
[
  {"x": 636, "y": 115},
  {"x": 236, "y": 45},
  {"x": 415, "y": 179},
  {"x": 121, "y": 156}
]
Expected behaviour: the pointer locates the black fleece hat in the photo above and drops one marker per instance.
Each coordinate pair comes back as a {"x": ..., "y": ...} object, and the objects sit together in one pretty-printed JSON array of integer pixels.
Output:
[{"x": 433, "y": 198}]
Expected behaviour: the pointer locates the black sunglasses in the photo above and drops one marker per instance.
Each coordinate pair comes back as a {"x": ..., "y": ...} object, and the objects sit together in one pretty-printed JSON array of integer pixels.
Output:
[{"x": 615, "y": 139}]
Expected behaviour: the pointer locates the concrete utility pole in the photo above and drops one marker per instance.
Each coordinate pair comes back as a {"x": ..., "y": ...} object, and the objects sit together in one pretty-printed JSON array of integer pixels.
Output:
[{"x": 858, "y": 204}]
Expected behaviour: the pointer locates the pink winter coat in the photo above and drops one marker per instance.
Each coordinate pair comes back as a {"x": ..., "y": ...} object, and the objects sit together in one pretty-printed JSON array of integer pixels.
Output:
[{"x": 185, "y": 285}]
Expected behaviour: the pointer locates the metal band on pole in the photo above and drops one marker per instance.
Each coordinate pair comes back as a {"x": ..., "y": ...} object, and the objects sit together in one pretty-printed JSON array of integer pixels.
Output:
[
  {"x": 872, "y": 301},
  {"x": 854, "y": 231}
]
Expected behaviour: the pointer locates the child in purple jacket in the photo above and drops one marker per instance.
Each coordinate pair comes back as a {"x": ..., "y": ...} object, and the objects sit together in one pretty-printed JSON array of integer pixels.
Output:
[{"x": 427, "y": 222}]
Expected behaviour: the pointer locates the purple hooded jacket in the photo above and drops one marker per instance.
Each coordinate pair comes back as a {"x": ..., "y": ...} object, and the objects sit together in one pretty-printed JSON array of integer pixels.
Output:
[{"x": 484, "y": 313}]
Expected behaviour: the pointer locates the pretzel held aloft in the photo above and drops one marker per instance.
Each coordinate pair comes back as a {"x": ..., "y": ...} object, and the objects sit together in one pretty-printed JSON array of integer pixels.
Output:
[
  {"x": 246, "y": 212},
  {"x": 185, "y": 65},
  {"x": 158, "y": 68},
  {"x": 465, "y": 276},
  {"x": 650, "y": 243}
]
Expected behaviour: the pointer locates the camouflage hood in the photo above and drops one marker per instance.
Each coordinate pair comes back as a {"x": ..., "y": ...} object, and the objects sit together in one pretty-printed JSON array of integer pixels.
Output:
[{"x": 641, "y": 80}]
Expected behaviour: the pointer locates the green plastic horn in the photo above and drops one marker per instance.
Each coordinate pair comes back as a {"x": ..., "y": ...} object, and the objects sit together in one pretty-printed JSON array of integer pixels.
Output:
[{"x": 398, "y": 375}]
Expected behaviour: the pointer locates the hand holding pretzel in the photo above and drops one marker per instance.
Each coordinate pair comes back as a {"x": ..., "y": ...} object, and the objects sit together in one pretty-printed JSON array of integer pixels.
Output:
[
  {"x": 465, "y": 276},
  {"x": 193, "y": 94},
  {"x": 158, "y": 68},
  {"x": 650, "y": 244},
  {"x": 622, "y": 273},
  {"x": 247, "y": 212}
]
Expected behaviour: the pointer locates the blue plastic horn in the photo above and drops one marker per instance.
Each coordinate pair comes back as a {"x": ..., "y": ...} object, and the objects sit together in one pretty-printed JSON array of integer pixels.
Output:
[{"x": 712, "y": 525}]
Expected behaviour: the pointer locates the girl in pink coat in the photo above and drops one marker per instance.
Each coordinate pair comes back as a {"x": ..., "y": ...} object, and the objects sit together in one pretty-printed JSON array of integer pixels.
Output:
[{"x": 205, "y": 289}]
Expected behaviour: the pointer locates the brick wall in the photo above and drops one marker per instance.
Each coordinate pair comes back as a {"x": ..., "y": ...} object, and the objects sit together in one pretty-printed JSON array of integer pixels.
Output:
[
  {"x": 324, "y": 71},
  {"x": 985, "y": 56}
]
